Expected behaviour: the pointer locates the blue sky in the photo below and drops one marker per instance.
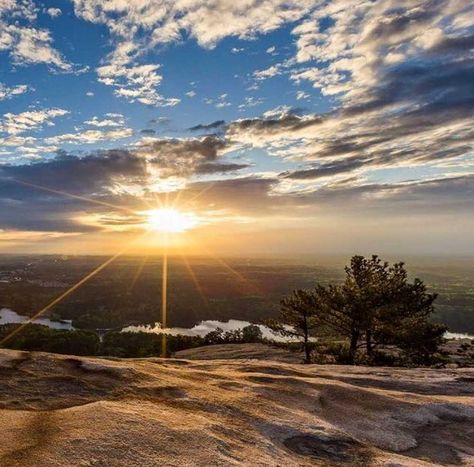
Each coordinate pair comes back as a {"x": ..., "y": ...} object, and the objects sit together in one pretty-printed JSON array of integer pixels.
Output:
[{"x": 305, "y": 114}]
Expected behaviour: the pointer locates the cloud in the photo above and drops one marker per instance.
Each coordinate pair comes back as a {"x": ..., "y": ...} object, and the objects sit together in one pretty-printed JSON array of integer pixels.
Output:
[
  {"x": 148, "y": 131},
  {"x": 140, "y": 27},
  {"x": 90, "y": 136},
  {"x": 327, "y": 170},
  {"x": 218, "y": 167},
  {"x": 251, "y": 102},
  {"x": 15, "y": 140},
  {"x": 218, "y": 124},
  {"x": 27, "y": 202},
  {"x": 9, "y": 92},
  {"x": 249, "y": 130},
  {"x": 181, "y": 156},
  {"x": 26, "y": 44},
  {"x": 54, "y": 12},
  {"x": 137, "y": 83},
  {"x": 219, "y": 102},
  {"x": 113, "y": 120},
  {"x": 256, "y": 196},
  {"x": 269, "y": 72},
  {"x": 300, "y": 95},
  {"x": 160, "y": 121},
  {"x": 101, "y": 183},
  {"x": 402, "y": 85},
  {"x": 168, "y": 21},
  {"x": 14, "y": 124}
]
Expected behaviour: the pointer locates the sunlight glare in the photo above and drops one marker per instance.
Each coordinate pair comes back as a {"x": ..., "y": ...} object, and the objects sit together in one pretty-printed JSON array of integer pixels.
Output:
[{"x": 170, "y": 220}]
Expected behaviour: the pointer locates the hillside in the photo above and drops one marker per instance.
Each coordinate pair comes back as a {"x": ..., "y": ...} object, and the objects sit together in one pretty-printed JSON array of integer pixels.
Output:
[{"x": 60, "y": 411}]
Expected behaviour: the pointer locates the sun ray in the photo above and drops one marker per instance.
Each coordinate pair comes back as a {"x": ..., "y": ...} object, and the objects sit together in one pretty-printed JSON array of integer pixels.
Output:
[
  {"x": 137, "y": 274},
  {"x": 177, "y": 197},
  {"x": 164, "y": 294},
  {"x": 71, "y": 195},
  {"x": 198, "y": 195},
  {"x": 68, "y": 292},
  {"x": 235, "y": 273},
  {"x": 194, "y": 278}
]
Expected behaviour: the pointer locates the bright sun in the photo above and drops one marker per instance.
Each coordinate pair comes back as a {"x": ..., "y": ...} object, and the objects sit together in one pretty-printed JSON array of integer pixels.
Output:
[{"x": 170, "y": 220}]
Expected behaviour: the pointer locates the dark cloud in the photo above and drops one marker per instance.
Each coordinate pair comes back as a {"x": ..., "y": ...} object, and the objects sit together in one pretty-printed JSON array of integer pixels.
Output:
[
  {"x": 47, "y": 195},
  {"x": 183, "y": 156},
  {"x": 160, "y": 121},
  {"x": 326, "y": 170},
  {"x": 433, "y": 197},
  {"x": 259, "y": 197},
  {"x": 219, "y": 167},
  {"x": 148, "y": 131},
  {"x": 285, "y": 123},
  {"x": 206, "y": 148},
  {"x": 217, "y": 125},
  {"x": 89, "y": 174}
]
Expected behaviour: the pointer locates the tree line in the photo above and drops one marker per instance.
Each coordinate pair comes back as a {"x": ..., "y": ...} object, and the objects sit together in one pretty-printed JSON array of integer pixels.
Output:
[{"x": 36, "y": 337}]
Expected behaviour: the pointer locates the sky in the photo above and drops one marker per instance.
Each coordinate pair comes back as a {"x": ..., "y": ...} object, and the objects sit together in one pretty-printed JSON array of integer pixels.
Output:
[{"x": 281, "y": 127}]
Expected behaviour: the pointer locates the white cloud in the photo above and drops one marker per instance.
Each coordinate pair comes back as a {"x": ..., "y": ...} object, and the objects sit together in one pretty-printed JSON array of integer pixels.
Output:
[
  {"x": 8, "y": 92},
  {"x": 14, "y": 124},
  {"x": 25, "y": 43},
  {"x": 136, "y": 83},
  {"x": 138, "y": 26},
  {"x": 54, "y": 12},
  {"x": 219, "y": 102},
  {"x": 301, "y": 95},
  {"x": 89, "y": 94},
  {"x": 15, "y": 140},
  {"x": 165, "y": 21},
  {"x": 191, "y": 93},
  {"x": 269, "y": 72},
  {"x": 36, "y": 150},
  {"x": 90, "y": 136},
  {"x": 251, "y": 102},
  {"x": 113, "y": 120}
]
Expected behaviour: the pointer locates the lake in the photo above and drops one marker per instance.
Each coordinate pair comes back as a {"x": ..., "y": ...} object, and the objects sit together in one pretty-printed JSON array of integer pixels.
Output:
[
  {"x": 9, "y": 316},
  {"x": 205, "y": 327}
]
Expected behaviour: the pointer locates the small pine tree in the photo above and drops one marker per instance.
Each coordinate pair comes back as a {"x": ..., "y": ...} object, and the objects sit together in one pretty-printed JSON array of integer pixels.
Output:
[{"x": 297, "y": 319}]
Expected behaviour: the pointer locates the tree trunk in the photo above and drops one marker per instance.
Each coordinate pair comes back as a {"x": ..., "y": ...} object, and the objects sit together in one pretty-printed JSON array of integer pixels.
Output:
[
  {"x": 353, "y": 348},
  {"x": 307, "y": 351},
  {"x": 368, "y": 336}
]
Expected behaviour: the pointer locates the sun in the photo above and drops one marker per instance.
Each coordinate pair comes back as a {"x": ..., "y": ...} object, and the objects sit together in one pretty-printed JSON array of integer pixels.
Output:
[{"x": 169, "y": 220}]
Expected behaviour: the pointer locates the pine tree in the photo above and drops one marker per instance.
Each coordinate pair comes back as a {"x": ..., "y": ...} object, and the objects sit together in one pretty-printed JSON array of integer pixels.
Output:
[{"x": 297, "y": 319}]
